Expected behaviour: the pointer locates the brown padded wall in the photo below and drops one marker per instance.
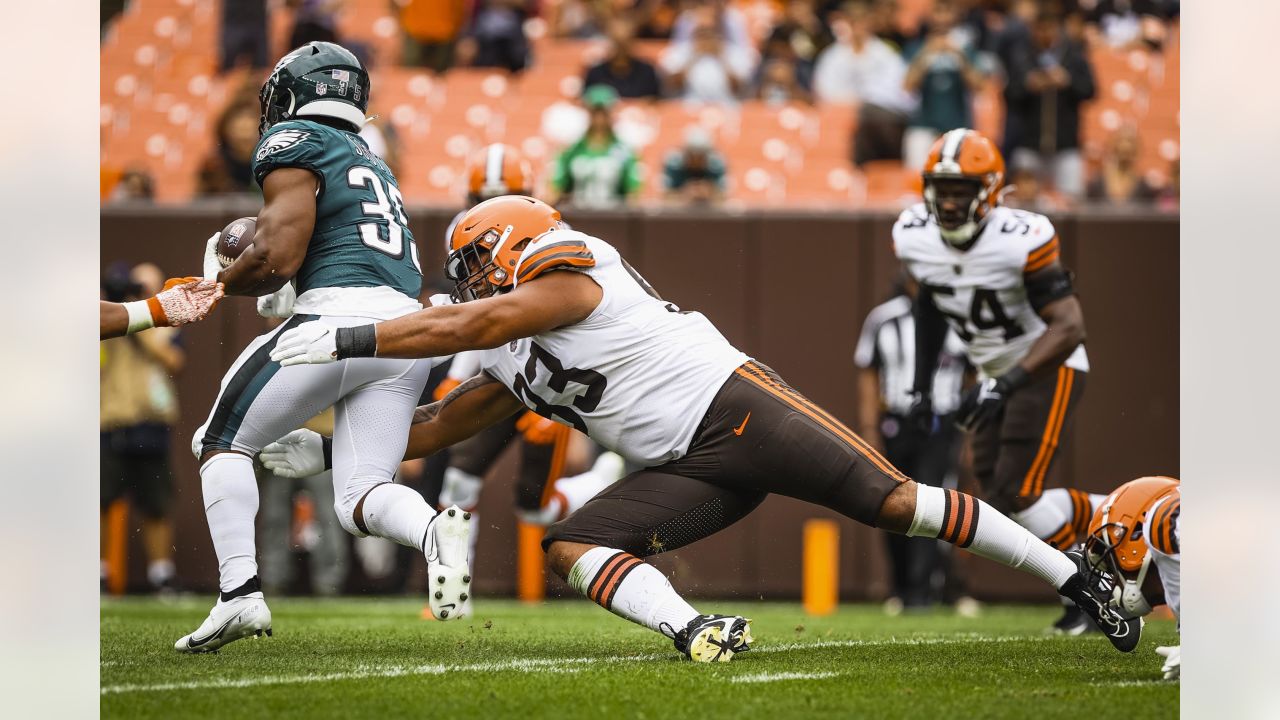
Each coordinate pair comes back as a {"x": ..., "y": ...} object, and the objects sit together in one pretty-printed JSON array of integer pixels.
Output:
[{"x": 791, "y": 290}]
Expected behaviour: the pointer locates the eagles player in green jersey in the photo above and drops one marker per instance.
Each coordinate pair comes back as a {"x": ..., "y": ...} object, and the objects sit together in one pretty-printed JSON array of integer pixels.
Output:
[{"x": 333, "y": 224}]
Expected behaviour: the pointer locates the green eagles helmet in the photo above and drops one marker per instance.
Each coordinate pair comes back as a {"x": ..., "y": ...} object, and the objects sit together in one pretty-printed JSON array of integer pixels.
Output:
[{"x": 318, "y": 79}]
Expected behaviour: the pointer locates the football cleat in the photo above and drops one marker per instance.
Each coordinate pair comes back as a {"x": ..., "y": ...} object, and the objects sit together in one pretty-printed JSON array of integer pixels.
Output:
[
  {"x": 448, "y": 572},
  {"x": 1073, "y": 622},
  {"x": 1123, "y": 633},
  {"x": 714, "y": 638},
  {"x": 239, "y": 617}
]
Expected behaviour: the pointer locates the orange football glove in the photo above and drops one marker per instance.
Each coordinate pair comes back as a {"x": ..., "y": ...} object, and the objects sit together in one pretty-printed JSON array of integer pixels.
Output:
[
  {"x": 445, "y": 387},
  {"x": 539, "y": 430}
]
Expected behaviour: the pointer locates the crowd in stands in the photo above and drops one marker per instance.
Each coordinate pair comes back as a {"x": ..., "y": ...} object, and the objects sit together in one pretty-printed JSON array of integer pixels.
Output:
[{"x": 907, "y": 85}]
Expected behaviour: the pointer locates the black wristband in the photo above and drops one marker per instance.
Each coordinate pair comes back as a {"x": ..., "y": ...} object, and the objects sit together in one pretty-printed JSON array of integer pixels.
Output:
[
  {"x": 358, "y": 341},
  {"x": 1015, "y": 378},
  {"x": 326, "y": 449}
]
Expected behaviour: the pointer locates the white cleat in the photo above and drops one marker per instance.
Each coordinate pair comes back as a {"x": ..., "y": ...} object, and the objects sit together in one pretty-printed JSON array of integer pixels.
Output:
[
  {"x": 244, "y": 616},
  {"x": 448, "y": 572}
]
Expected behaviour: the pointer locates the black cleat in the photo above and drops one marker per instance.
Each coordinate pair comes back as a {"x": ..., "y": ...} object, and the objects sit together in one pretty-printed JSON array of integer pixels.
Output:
[
  {"x": 1123, "y": 633},
  {"x": 714, "y": 638}
]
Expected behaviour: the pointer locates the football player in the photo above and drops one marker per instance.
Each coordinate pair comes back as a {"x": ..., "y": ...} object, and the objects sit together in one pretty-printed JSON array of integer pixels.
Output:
[
  {"x": 571, "y": 331},
  {"x": 333, "y": 224},
  {"x": 495, "y": 170},
  {"x": 994, "y": 274},
  {"x": 1134, "y": 549},
  {"x": 182, "y": 301}
]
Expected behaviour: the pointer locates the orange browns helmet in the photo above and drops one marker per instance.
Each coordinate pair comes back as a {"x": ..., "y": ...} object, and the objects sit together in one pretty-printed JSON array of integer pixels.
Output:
[
  {"x": 1116, "y": 545},
  {"x": 488, "y": 240},
  {"x": 963, "y": 176},
  {"x": 495, "y": 170}
]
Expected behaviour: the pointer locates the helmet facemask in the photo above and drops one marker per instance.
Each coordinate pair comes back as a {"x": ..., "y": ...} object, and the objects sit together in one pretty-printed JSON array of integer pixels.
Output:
[
  {"x": 1106, "y": 575},
  {"x": 473, "y": 270},
  {"x": 957, "y": 203}
]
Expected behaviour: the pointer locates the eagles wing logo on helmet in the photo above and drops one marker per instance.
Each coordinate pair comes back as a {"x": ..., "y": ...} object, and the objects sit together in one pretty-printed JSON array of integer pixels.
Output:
[{"x": 280, "y": 141}]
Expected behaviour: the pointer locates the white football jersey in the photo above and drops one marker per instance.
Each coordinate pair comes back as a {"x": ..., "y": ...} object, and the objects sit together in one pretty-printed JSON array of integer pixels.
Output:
[
  {"x": 637, "y": 375},
  {"x": 981, "y": 289},
  {"x": 1162, "y": 532}
]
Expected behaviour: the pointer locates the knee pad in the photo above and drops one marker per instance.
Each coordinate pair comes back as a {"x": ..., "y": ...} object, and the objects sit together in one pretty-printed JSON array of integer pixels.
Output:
[{"x": 461, "y": 489}]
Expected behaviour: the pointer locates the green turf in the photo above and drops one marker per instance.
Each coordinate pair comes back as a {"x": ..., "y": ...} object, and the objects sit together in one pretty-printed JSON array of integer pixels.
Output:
[{"x": 373, "y": 659}]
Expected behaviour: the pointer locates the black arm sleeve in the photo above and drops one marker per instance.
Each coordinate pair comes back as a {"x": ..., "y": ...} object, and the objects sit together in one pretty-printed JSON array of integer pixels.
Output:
[
  {"x": 931, "y": 334},
  {"x": 1046, "y": 286}
]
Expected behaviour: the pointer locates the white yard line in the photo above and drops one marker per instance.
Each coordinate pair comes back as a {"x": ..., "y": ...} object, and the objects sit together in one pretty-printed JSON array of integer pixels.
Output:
[
  {"x": 775, "y": 677},
  {"x": 538, "y": 665}
]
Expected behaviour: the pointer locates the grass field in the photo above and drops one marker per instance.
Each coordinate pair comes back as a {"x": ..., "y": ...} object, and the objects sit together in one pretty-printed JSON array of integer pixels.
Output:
[{"x": 376, "y": 659}]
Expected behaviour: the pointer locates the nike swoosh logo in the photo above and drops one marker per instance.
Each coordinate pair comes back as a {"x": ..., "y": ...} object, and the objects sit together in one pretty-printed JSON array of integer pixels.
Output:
[
  {"x": 738, "y": 430},
  {"x": 214, "y": 635}
]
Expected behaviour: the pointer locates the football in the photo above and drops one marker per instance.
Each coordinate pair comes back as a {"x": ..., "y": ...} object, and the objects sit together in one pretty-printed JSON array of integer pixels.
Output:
[{"x": 235, "y": 238}]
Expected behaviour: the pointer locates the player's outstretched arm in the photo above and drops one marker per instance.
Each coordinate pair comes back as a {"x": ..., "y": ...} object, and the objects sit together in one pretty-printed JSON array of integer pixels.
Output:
[
  {"x": 931, "y": 335},
  {"x": 553, "y": 300},
  {"x": 1052, "y": 295},
  {"x": 284, "y": 230},
  {"x": 182, "y": 301},
  {"x": 469, "y": 408}
]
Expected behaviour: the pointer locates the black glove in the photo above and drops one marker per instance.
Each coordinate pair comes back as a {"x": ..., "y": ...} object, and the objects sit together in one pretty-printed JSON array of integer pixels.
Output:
[
  {"x": 983, "y": 401},
  {"x": 920, "y": 416}
]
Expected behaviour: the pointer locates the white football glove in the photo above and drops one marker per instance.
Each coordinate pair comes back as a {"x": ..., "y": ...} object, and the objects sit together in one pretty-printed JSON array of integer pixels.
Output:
[
  {"x": 310, "y": 342},
  {"x": 211, "y": 265},
  {"x": 296, "y": 455},
  {"x": 1172, "y": 655},
  {"x": 278, "y": 304}
]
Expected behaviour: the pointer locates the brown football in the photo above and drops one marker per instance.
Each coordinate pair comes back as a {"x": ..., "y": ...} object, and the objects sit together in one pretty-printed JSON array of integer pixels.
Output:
[{"x": 235, "y": 238}]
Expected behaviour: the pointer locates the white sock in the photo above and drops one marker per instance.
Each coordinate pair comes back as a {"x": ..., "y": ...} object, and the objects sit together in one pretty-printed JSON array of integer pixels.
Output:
[
  {"x": 622, "y": 584},
  {"x": 230, "y": 504},
  {"x": 463, "y": 489},
  {"x": 159, "y": 571},
  {"x": 398, "y": 513},
  {"x": 973, "y": 524}
]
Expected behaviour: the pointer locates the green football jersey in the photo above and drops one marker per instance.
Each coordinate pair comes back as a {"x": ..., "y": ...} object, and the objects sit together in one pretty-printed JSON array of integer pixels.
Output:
[{"x": 361, "y": 237}]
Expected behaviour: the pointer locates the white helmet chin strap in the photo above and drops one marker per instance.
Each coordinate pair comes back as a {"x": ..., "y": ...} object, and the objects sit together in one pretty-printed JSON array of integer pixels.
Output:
[{"x": 1127, "y": 596}]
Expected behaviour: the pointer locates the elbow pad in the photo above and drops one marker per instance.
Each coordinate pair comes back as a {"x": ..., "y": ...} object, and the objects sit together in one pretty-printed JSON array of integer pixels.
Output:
[{"x": 1047, "y": 286}]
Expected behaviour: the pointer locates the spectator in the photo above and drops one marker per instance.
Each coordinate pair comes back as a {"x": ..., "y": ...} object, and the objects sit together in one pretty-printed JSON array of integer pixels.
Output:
[
  {"x": 707, "y": 69},
  {"x": 861, "y": 68},
  {"x": 779, "y": 82},
  {"x": 244, "y": 34},
  {"x": 138, "y": 406},
  {"x": 1120, "y": 183},
  {"x": 575, "y": 20},
  {"x": 494, "y": 36},
  {"x": 654, "y": 19},
  {"x": 314, "y": 21},
  {"x": 803, "y": 33},
  {"x": 430, "y": 29},
  {"x": 730, "y": 21},
  {"x": 1128, "y": 23},
  {"x": 885, "y": 358},
  {"x": 884, "y": 23},
  {"x": 1048, "y": 82},
  {"x": 1012, "y": 41},
  {"x": 695, "y": 173},
  {"x": 229, "y": 169},
  {"x": 135, "y": 185},
  {"x": 621, "y": 70},
  {"x": 599, "y": 170},
  {"x": 943, "y": 74}
]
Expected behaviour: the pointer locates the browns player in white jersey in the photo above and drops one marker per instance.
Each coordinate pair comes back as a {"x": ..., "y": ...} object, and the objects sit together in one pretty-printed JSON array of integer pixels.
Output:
[
  {"x": 993, "y": 273},
  {"x": 1135, "y": 541},
  {"x": 572, "y": 331},
  {"x": 494, "y": 170}
]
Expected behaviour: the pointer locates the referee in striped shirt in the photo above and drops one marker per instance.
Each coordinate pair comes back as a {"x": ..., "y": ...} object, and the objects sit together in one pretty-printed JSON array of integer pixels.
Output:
[{"x": 885, "y": 358}]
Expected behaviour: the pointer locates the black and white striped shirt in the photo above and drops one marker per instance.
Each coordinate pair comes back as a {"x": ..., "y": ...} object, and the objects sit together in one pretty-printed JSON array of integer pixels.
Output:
[{"x": 888, "y": 344}]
